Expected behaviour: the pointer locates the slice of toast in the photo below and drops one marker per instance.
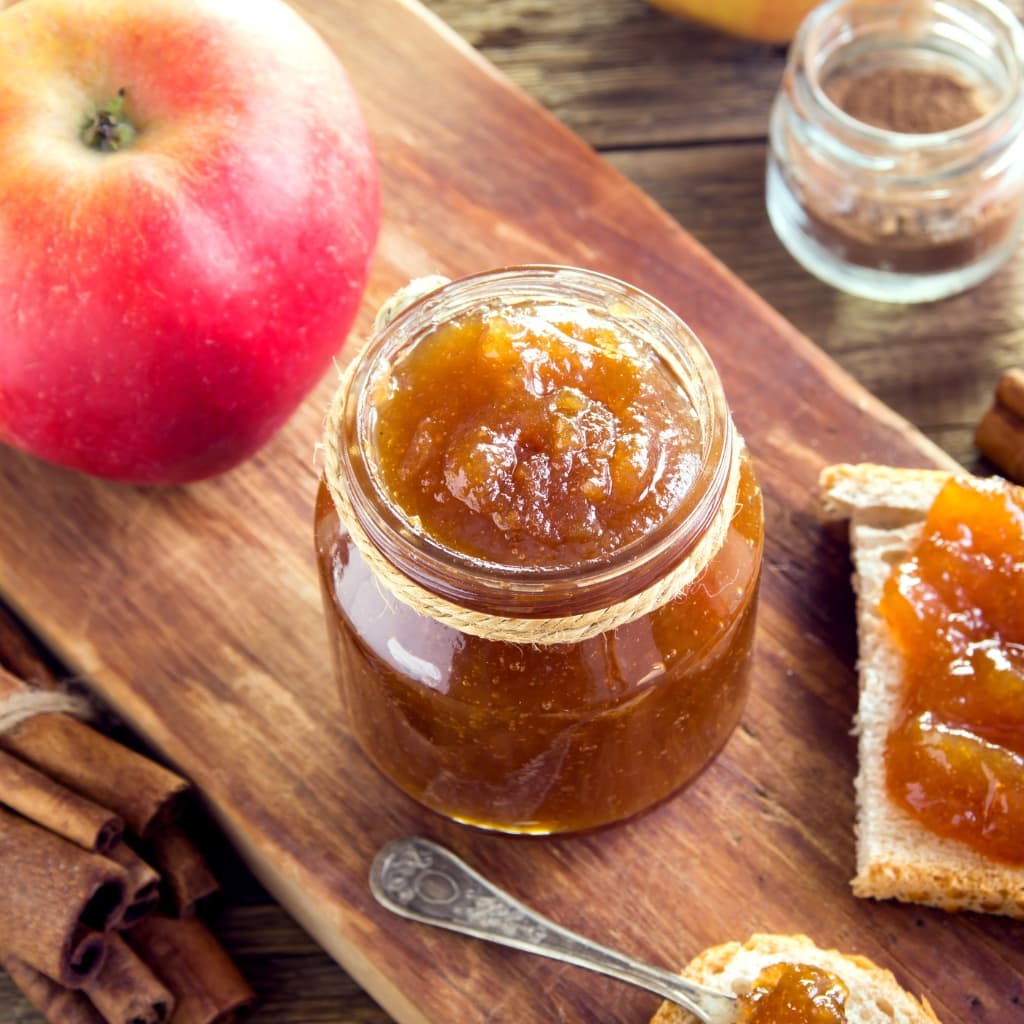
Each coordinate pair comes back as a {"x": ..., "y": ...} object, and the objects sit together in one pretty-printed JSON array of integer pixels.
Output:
[
  {"x": 897, "y": 857},
  {"x": 875, "y": 995}
]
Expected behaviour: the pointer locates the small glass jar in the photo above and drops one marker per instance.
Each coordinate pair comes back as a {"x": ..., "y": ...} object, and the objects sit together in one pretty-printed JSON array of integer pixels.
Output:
[
  {"x": 915, "y": 214},
  {"x": 540, "y": 737}
]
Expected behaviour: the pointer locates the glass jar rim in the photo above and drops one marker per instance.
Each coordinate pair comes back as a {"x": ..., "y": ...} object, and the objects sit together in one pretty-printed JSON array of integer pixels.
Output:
[
  {"x": 1010, "y": 105},
  {"x": 535, "y": 591}
]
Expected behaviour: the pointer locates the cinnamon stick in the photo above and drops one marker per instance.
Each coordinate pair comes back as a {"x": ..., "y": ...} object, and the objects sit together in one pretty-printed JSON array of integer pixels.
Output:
[
  {"x": 19, "y": 655},
  {"x": 143, "y": 893},
  {"x": 57, "y": 1004},
  {"x": 1000, "y": 437},
  {"x": 139, "y": 790},
  {"x": 1010, "y": 391},
  {"x": 37, "y": 797},
  {"x": 55, "y": 899},
  {"x": 207, "y": 986},
  {"x": 186, "y": 877},
  {"x": 126, "y": 991}
]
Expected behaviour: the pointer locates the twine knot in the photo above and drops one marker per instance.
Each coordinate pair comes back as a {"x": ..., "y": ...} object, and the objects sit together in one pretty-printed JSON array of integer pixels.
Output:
[{"x": 17, "y": 708}]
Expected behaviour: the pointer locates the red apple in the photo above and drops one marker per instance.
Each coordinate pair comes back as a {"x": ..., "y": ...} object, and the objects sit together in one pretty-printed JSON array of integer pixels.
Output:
[{"x": 188, "y": 205}]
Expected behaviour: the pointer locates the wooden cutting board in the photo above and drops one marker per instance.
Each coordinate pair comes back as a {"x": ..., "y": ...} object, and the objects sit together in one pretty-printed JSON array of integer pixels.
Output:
[{"x": 195, "y": 611}]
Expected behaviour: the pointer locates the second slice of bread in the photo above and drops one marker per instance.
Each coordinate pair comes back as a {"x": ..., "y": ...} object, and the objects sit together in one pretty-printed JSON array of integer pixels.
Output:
[
  {"x": 897, "y": 857},
  {"x": 875, "y": 995}
]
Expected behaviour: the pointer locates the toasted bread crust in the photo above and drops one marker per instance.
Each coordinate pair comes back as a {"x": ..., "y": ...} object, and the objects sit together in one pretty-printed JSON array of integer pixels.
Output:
[
  {"x": 875, "y": 995},
  {"x": 865, "y": 488},
  {"x": 897, "y": 857}
]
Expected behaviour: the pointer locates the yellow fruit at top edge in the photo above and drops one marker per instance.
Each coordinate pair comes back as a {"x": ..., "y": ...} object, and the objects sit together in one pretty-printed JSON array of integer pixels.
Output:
[{"x": 769, "y": 21}]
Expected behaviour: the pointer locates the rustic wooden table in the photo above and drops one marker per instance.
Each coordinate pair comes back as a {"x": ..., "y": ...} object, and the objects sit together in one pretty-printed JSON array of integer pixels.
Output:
[{"x": 683, "y": 112}]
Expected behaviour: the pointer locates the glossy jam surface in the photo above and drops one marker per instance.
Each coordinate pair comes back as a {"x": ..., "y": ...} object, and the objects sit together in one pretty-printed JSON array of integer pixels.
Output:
[
  {"x": 794, "y": 994},
  {"x": 545, "y": 738},
  {"x": 534, "y": 434},
  {"x": 955, "y": 757}
]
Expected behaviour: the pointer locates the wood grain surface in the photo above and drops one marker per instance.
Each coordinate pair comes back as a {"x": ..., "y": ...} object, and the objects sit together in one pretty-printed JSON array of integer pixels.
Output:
[{"x": 196, "y": 614}]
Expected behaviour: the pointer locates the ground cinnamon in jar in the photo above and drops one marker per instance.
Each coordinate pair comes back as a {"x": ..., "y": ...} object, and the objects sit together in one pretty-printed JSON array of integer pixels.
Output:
[
  {"x": 896, "y": 168},
  {"x": 913, "y": 101},
  {"x": 909, "y": 233}
]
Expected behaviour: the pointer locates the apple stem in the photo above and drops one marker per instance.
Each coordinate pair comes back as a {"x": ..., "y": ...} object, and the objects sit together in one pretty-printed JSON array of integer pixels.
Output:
[{"x": 107, "y": 128}]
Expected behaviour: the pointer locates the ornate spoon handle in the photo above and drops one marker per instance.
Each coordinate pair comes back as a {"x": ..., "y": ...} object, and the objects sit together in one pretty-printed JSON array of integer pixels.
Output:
[{"x": 420, "y": 880}]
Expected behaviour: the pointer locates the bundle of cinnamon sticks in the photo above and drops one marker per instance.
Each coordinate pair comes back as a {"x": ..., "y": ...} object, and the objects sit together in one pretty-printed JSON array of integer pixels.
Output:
[
  {"x": 1000, "y": 433},
  {"x": 99, "y": 884}
]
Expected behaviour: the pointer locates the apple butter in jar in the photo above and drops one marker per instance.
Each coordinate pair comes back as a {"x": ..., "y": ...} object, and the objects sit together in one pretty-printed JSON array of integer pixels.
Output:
[{"x": 539, "y": 538}]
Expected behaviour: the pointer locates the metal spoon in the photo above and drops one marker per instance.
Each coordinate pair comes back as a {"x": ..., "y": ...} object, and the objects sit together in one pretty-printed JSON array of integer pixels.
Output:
[{"x": 418, "y": 879}]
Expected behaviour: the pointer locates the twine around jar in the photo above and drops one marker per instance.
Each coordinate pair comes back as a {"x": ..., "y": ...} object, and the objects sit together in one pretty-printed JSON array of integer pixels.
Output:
[{"x": 560, "y": 629}]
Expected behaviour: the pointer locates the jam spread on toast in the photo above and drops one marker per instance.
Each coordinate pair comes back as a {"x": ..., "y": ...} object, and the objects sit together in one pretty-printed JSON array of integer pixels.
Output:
[
  {"x": 786, "y": 993},
  {"x": 955, "y": 605}
]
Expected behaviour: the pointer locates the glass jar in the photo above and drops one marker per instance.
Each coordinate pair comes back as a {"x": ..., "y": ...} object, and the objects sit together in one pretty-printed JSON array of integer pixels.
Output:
[
  {"x": 906, "y": 215},
  {"x": 539, "y": 698}
]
